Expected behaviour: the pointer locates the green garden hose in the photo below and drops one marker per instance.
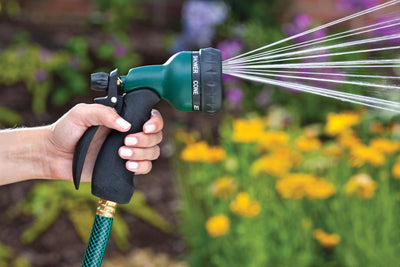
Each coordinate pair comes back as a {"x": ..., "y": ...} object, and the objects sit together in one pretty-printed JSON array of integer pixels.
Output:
[{"x": 100, "y": 233}]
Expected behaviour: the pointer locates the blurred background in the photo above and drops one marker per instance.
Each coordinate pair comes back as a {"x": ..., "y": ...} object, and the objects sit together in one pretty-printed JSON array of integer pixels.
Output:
[{"x": 219, "y": 195}]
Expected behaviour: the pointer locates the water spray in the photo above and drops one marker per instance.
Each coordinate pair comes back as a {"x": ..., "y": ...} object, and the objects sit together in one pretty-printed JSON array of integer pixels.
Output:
[
  {"x": 371, "y": 81},
  {"x": 189, "y": 81}
]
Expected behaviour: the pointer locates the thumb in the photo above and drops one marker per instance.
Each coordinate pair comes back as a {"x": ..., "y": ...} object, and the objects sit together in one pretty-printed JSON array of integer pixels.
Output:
[{"x": 97, "y": 114}]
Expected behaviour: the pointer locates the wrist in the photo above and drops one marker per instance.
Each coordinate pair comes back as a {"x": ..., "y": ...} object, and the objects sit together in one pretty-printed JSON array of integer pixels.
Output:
[{"x": 24, "y": 154}]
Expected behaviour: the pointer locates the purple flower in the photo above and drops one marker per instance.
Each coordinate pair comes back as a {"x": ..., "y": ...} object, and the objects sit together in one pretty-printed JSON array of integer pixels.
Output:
[
  {"x": 355, "y": 5},
  {"x": 302, "y": 23},
  {"x": 199, "y": 19},
  {"x": 226, "y": 79},
  {"x": 45, "y": 55},
  {"x": 120, "y": 51},
  {"x": 387, "y": 28},
  {"x": 230, "y": 48},
  {"x": 263, "y": 97},
  {"x": 331, "y": 74},
  {"x": 40, "y": 75},
  {"x": 234, "y": 95}
]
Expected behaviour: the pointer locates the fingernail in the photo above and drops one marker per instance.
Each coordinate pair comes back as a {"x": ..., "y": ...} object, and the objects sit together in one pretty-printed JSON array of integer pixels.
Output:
[
  {"x": 132, "y": 165},
  {"x": 149, "y": 128},
  {"x": 154, "y": 112},
  {"x": 123, "y": 123},
  {"x": 131, "y": 141},
  {"x": 126, "y": 152}
]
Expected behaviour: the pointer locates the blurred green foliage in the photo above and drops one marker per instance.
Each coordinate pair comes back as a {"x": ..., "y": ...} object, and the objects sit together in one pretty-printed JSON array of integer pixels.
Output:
[
  {"x": 9, "y": 117},
  {"x": 8, "y": 259},
  {"x": 47, "y": 200},
  {"x": 60, "y": 75}
]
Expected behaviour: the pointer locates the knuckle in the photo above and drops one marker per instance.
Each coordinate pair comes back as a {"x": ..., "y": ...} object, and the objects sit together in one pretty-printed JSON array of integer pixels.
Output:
[
  {"x": 157, "y": 152},
  {"x": 147, "y": 166}
]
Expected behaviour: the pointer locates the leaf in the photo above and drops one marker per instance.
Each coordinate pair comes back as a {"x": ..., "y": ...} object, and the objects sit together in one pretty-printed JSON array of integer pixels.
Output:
[
  {"x": 9, "y": 117},
  {"x": 143, "y": 211},
  {"x": 42, "y": 223},
  {"x": 82, "y": 218},
  {"x": 120, "y": 231}
]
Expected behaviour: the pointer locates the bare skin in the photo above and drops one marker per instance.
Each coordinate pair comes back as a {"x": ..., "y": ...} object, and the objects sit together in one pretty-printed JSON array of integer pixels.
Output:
[{"x": 47, "y": 152}]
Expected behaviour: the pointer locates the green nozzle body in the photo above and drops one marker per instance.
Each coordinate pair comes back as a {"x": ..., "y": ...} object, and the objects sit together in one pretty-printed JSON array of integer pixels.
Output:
[{"x": 188, "y": 80}]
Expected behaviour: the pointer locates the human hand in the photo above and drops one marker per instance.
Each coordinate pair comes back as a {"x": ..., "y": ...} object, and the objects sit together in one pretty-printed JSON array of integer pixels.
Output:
[{"x": 139, "y": 148}]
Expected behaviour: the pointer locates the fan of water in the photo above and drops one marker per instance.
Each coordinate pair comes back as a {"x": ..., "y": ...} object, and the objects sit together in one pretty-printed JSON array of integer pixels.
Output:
[{"x": 357, "y": 65}]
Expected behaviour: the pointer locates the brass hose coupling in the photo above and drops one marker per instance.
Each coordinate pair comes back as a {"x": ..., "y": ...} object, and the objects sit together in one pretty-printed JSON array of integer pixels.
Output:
[{"x": 106, "y": 208}]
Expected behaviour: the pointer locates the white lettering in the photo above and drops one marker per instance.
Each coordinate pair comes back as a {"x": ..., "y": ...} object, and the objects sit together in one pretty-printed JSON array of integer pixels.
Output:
[
  {"x": 195, "y": 87},
  {"x": 195, "y": 64}
]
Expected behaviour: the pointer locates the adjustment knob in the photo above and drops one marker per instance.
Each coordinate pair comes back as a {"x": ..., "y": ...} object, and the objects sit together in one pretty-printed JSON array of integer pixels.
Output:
[{"x": 99, "y": 81}]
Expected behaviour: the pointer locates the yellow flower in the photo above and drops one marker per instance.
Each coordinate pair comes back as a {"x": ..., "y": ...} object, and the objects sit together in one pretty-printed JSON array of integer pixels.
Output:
[
  {"x": 320, "y": 189},
  {"x": 308, "y": 143},
  {"x": 348, "y": 139},
  {"x": 185, "y": 137},
  {"x": 272, "y": 164},
  {"x": 299, "y": 185},
  {"x": 223, "y": 187},
  {"x": 325, "y": 239},
  {"x": 244, "y": 206},
  {"x": 362, "y": 185},
  {"x": 387, "y": 147},
  {"x": 218, "y": 225},
  {"x": 396, "y": 170},
  {"x": 202, "y": 152},
  {"x": 248, "y": 131},
  {"x": 361, "y": 154},
  {"x": 215, "y": 154},
  {"x": 273, "y": 139},
  {"x": 339, "y": 122}
]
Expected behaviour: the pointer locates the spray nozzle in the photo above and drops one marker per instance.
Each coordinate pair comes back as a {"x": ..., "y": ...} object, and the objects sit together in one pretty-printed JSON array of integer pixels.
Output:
[{"x": 190, "y": 81}]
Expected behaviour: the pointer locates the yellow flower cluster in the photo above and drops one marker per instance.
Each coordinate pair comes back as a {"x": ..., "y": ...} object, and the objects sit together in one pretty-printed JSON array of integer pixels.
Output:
[
  {"x": 325, "y": 239},
  {"x": 299, "y": 185},
  {"x": 361, "y": 185},
  {"x": 202, "y": 152},
  {"x": 244, "y": 206},
  {"x": 385, "y": 146},
  {"x": 307, "y": 143},
  {"x": 361, "y": 154},
  {"x": 272, "y": 164},
  {"x": 396, "y": 168},
  {"x": 348, "y": 139},
  {"x": 248, "y": 131},
  {"x": 223, "y": 187},
  {"x": 271, "y": 140},
  {"x": 218, "y": 225},
  {"x": 338, "y": 123}
]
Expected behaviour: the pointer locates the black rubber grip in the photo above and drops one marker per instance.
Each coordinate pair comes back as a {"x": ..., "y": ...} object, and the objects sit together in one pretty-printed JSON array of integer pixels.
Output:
[
  {"x": 80, "y": 154},
  {"x": 111, "y": 180}
]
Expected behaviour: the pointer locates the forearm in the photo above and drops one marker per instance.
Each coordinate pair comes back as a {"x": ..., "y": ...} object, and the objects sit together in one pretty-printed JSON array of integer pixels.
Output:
[{"x": 23, "y": 154}]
